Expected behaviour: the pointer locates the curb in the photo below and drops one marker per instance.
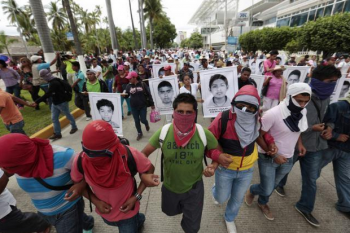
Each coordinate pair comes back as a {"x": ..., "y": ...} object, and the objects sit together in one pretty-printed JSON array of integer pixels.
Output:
[{"x": 48, "y": 130}]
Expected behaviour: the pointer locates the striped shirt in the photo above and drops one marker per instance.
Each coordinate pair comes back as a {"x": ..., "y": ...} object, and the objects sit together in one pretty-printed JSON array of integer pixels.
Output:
[{"x": 46, "y": 201}]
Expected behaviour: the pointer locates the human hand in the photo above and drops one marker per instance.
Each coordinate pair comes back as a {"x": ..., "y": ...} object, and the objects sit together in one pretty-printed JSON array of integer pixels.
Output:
[
  {"x": 302, "y": 150},
  {"x": 343, "y": 138},
  {"x": 225, "y": 160},
  {"x": 128, "y": 205},
  {"x": 280, "y": 160},
  {"x": 75, "y": 191},
  {"x": 318, "y": 127},
  {"x": 327, "y": 133},
  {"x": 33, "y": 105},
  {"x": 210, "y": 170},
  {"x": 84, "y": 93},
  {"x": 150, "y": 180},
  {"x": 103, "y": 207},
  {"x": 7, "y": 173},
  {"x": 273, "y": 149}
]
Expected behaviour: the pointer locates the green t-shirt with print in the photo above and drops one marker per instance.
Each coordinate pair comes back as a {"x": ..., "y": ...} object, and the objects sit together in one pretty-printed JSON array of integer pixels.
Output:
[
  {"x": 183, "y": 167},
  {"x": 110, "y": 73}
]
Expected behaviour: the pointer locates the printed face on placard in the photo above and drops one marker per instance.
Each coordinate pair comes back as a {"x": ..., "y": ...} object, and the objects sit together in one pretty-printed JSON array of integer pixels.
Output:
[
  {"x": 166, "y": 93},
  {"x": 344, "y": 89}
]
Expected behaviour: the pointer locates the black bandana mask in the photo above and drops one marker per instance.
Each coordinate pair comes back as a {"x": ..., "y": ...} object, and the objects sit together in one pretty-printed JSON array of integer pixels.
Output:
[{"x": 292, "y": 121}]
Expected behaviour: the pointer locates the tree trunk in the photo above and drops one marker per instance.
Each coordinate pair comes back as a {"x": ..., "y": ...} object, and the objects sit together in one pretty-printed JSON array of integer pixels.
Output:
[
  {"x": 133, "y": 27},
  {"x": 41, "y": 25},
  {"x": 7, "y": 49},
  {"x": 143, "y": 24},
  {"x": 151, "y": 32},
  {"x": 73, "y": 26},
  {"x": 141, "y": 28},
  {"x": 112, "y": 30}
]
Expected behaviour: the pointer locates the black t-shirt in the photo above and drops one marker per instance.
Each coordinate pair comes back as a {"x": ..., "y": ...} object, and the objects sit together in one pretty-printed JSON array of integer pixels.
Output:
[{"x": 250, "y": 81}]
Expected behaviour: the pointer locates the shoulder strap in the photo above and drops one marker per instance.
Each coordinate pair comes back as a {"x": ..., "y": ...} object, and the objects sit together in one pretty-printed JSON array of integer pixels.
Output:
[
  {"x": 224, "y": 119},
  {"x": 131, "y": 162},
  {"x": 56, "y": 188},
  {"x": 202, "y": 134},
  {"x": 163, "y": 134},
  {"x": 80, "y": 164}
]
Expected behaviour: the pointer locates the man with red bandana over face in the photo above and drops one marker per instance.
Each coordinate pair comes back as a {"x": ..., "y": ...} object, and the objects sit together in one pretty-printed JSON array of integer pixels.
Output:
[
  {"x": 183, "y": 149},
  {"x": 106, "y": 171}
]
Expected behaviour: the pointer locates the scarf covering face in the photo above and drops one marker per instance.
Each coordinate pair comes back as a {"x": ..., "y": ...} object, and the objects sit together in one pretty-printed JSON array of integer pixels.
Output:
[
  {"x": 246, "y": 124},
  {"x": 46, "y": 75},
  {"x": 184, "y": 128},
  {"x": 104, "y": 172},
  {"x": 26, "y": 157},
  {"x": 293, "y": 115},
  {"x": 321, "y": 89}
]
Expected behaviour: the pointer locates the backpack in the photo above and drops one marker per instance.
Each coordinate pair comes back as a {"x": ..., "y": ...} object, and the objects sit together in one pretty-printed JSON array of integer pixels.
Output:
[
  {"x": 224, "y": 119},
  {"x": 68, "y": 91},
  {"x": 162, "y": 136}
]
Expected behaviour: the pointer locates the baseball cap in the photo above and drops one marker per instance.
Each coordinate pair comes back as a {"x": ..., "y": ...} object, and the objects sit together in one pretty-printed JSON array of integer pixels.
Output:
[
  {"x": 91, "y": 71},
  {"x": 131, "y": 75},
  {"x": 35, "y": 58},
  {"x": 120, "y": 67},
  {"x": 167, "y": 68},
  {"x": 126, "y": 63}
]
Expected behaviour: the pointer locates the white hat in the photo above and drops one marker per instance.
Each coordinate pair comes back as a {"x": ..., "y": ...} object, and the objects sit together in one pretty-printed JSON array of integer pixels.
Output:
[
  {"x": 35, "y": 58},
  {"x": 69, "y": 53},
  {"x": 91, "y": 71},
  {"x": 126, "y": 63}
]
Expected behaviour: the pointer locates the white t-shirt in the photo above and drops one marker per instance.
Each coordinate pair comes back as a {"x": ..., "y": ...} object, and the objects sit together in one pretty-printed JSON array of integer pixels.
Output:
[
  {"x": 285, "y": 139},
  {"x": 194, "y": 89},
  {"x": 6, "y": 199},
  {"x": 112, "y": 56},
  {"x": 344, "y": 67},
  {"x": 98, "y": 69}
]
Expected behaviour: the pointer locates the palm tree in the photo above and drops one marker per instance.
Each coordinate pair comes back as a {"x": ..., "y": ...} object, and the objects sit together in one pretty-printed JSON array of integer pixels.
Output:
[
  {"x": 42, "y": 27},
  {"x": 57, "y": 16},
  {"x": 153, "y": 11},
  {"x": 5, "y": 42},
  {"x": 133, "y": 27},
  {"x": 12, "y": 10},
  {"x": 85, "y": 20},
  {"x": 112, "y": 31}
]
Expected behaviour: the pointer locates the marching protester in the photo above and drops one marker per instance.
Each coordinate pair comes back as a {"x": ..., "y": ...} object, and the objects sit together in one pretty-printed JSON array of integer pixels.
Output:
[
  {"x": 68, "y": 62},
  {"x": 284, "y": 123},
  {"x": 26, "y": 82},
  {"x": 11, "y": 79},
  {"x": 292, "y": 61},
  {"x": 185, "y": 71},
  {"x": 60, "y": 102},
  {"x": 142, "y": 72},
  {"x": 43, "y": 172},
  {"x": 140, "y": 99},
  {"x": 96, "y": 68},
  {"x": 107, "y": 74},
  {"x": 245, "y": 79},
  {"x": 270, "y": 63},
  {"x": 108, "y": 173},
  {"x": 237, "y": 130},
  {"x": 120, "y": 85}
]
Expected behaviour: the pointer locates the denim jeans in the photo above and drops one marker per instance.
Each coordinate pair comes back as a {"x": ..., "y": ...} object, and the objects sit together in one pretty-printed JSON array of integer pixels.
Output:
[
  {"x": 15, "y": 89},
  {"x": 16, "y": 127},
  {"x": 130, "y": 225},
  {"x": 341, "y": 165},
  {"x": 46, "y": 89},
  {"x": 127, "y": 103},
  {"x": 139, "y": 115},
  {"x": 284, "y": 180},
  {"x": 310, "y": 166},
  {"x": 82, "y": 102},
  {"x": 271, "y": 174},
  {"x": 232, "y": 185},
  {"x": 55, "y": 114},
  {"x": 74, "y": 220},
  {"x": 109, "y": 83}
]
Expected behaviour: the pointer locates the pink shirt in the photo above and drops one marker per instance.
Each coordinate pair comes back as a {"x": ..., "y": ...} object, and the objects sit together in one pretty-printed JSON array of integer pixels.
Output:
[
  {"x": 117, "y": 197},
  {"x": 270, "y": 65},
  {"x": 273, "y": 92},
  {"x": 285, "y": 139}
]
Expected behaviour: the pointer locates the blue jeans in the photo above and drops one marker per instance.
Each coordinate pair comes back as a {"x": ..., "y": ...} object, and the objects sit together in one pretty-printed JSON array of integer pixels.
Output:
[
  {"x": 16, "y": 127},
  {"x": 139, "y": 115},
  {"x": 127, "y": 103},
  {"x": 271, "y": 174},
  {"x": 55, "y": 114},
  {"x": 284, "y": 180},
  {"x": 232, "y": 185},
  {"x": 15, "y": 89},
  {"x": 109, "y": 83},
  {"x": 46, "y": 89},
  {"x": 341, "y": 165},
  {"x": 130, "y": 225},
  {"x": 310, "y": 166},
  {"x": 74, "y": 220}
]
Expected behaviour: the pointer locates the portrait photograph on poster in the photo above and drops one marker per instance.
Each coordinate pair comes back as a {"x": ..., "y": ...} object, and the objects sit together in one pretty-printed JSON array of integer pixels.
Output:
[
  {"x": 295, "y": 74},
  {"x": 163, "y": 91},
  {"x": 158, "y": 69},
  {"x": 341, "y": 89},
  {"x": 107, "y": 107},
  {"x": 259, "y": 66},
  {"x": 218, "y": 89},
  {"x": 252, "y": 65},
  {"x": 259, "y": 80}
]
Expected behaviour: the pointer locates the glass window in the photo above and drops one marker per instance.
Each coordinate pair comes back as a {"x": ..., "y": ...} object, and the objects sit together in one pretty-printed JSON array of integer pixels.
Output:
[
  {"x": 303, "y": 18},
  {"x": 328, "y": 10},
  {"x": 347, "y": 6},
  {"x": 319, "y": 13},
  {"x": 312, "y": 15},
  {"x": 283, "y": 22},
  {"x": 338, "y": 8}
]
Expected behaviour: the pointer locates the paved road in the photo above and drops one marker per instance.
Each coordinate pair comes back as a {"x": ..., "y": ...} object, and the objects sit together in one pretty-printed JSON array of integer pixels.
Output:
[{"x": 250, "y": 219}]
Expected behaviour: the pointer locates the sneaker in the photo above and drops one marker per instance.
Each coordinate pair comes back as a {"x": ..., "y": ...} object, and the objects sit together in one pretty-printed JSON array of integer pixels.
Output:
[
  {"x": 72, "y": 131},
  {"x": 55, "y": 137},
  {"x": 139, "y": 136},
  {"x": 147, "y": 128},
  {"x": 129, "y": 113},
  {"x": 280, "y": 191},
  {"x": 249, "y": 198},
  {"x": 266, "y": 211},
  {"x": 231, "y": 227},
  {"x": 309, "y": 218},
  {"x": 88, "y": 118},
  {"x": 215, "y": 201}
]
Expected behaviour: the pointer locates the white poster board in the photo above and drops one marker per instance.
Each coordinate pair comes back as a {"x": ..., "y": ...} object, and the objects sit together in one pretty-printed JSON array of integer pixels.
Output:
[
  {"x": 259, "y": 79},
  {"x": 341, "y": 89},
  {"x": 218, "y": 89},
  {"x": 295, "y": 74},
  {"x": 107, "y": 107},
  {"x": 259, "y": 66},
  {"x": 158, "y": 69},
  {"x": 195, "y": 69},
  {"x": 163, "y": 91}
]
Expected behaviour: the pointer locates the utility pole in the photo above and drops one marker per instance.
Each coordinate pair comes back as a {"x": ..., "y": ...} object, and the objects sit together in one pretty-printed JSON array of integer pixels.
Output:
[{"x": 225, "y": 24}]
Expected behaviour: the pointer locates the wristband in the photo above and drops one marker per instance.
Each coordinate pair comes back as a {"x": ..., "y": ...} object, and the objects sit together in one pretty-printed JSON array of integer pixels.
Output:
[{"x": 138, "y": 196}]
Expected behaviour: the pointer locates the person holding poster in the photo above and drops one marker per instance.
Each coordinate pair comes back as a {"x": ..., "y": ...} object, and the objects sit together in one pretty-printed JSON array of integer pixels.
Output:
[{"x": 218, "y": 86}]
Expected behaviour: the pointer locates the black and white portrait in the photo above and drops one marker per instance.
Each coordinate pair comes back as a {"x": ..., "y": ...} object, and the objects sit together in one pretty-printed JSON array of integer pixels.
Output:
[
  {"x": 107, "y": 107},
  {"x": 259, "y": 66},
  {"x": 164, "y": 91},
  {"x": 295, "y": 74},
  {"x": 259, "y": 80},
  {"x": 158, "y": 69}
]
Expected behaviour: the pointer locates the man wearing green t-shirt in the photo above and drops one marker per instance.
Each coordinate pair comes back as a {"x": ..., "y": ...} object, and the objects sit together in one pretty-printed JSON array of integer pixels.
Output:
[
  {"x": 183, "y": 150},
  {"x": 69, "y": 68},
  {"x": 107, "y": 73}
]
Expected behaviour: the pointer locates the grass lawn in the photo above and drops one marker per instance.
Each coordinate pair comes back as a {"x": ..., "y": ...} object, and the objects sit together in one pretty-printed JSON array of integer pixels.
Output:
[{"x": 35, "y": 120}]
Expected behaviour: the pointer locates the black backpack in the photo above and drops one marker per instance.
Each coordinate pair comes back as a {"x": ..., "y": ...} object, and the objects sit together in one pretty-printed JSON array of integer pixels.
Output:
[
  {"x": 68, "y": 91},
  {"x": 224, "y": 119}
]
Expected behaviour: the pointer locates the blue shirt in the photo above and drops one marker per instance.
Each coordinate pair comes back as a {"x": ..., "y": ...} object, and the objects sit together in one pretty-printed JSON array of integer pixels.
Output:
[
  {"x": 47, "y": 201},
  {"x": 80, "y": 75}
]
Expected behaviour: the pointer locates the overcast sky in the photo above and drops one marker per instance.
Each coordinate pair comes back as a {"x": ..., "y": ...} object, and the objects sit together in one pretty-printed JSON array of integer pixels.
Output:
[{"x": 179, "y": 11}]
